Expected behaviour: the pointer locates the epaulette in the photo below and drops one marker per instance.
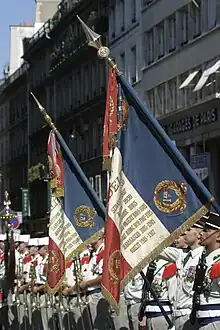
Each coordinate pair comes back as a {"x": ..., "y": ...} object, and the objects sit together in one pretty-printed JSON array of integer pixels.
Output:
[
  {"x": 85, "y": 260},
  {"x": 69, "y": 264},
  {"x": 45, "y": 268},
  {"x": 169, "y": 271},
  {"x": 27, "y": 259},
  {"x": 215, "y": 271},
  {"x": 100, "y": 256}
]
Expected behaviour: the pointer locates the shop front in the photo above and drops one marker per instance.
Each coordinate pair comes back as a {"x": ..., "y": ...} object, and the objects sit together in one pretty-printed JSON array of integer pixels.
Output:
[{"x": 196, "y": 132}]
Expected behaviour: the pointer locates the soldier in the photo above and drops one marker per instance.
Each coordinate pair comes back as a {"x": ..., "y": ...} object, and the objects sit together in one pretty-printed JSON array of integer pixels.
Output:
[
  {"x": 75, "y": 301},
  {"x": 164, "y": 285},
  {"x": 91, "y": 285},
  {"x": 186, "y": 269},
  {"x": 130, "y": 300},
  {"x": 41, "y": 320},
  {"x": 208, "y": 309},
  {"x": 180, "y": 243}
]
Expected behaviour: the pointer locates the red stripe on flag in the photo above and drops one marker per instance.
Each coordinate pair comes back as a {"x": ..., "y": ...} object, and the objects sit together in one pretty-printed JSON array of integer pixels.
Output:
[
  {"x": 111, "y": 265},
  {"x": 110, "y": 121},
  {"x": 56, "y": 266}
]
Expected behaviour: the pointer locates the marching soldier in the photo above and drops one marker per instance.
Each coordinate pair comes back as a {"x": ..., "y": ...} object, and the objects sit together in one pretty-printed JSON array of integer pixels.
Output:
[
  {"x": 208, "y": 303},
  {"x": 186, "y": 269}
]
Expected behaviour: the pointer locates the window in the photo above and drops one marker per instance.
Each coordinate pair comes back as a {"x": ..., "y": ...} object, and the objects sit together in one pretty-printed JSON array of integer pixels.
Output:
[
  {"x": 210, "y": 13},
  {"x": 133, "y": 76},
  {"x": 150, "y": 46},
  {"x": 98, "y": 185},
  {"x": 171, "y": 95},
  {"x": 171, "y": 26},
  {"x": 195, "y": 17},
  {"x": 184, "y": 27},
  {"x": 86, "y": 82},
  {"x": 133, "y": 11},
  {"x": 161, "y": 39},
  {"x": 160, "y": 100},
  {"x": 113, "y": 20},
  {"x": 122, "y": 5},
  {"x": 91, "y": 180},
  {"x": 151, "y": 100},
  {"x": 122, "y": 62}
]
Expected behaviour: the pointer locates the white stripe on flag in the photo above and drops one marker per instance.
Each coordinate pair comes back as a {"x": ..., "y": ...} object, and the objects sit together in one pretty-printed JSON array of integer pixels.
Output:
[
  {"x": 140, "y": 229},
  {"x": 61, "y": 230}
]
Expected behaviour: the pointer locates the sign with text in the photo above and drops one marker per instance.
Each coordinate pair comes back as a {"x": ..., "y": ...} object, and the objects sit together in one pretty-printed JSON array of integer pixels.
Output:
[
  {"x": 201, "y": 165},
  {"x": 192, "y": 122},
  {"x": 25, "y": 203}
]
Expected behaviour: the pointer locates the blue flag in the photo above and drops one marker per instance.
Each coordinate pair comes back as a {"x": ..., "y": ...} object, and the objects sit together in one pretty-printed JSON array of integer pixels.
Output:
[
  {"x": 154, "y": 194},
  {"x": 77, "y": 214}
]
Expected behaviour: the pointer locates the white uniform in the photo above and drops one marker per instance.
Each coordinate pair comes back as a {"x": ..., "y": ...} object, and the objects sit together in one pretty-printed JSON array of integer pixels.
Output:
[
  {"x": 209, "y": 310},
  {"x": 164, "y": 285},
  {"x": 186, "y": 269},
  {"x": 99, "y": 307}
]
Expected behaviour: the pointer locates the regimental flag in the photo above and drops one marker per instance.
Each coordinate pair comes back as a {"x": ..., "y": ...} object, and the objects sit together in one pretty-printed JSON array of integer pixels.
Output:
[
  {"x": 77, "y": 214},
  {"x": 56, "y": 260},
  {"x": 154, "y": 195},
  {"x": 110, "y": 121}
]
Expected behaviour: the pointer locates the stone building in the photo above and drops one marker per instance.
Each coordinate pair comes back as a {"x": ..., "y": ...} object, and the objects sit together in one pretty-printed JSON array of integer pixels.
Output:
[
  {"x": 180, "y": 77},
  {"x": 70, "y": 81}
]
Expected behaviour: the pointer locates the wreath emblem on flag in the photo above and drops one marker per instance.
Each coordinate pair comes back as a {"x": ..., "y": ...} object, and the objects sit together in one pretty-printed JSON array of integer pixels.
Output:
[
  {"x": 170, "y": 196},
  {"x": 84, "y": 216},
  {"x": 54, "y": 261},
  {"x": 114, "y": 266}
]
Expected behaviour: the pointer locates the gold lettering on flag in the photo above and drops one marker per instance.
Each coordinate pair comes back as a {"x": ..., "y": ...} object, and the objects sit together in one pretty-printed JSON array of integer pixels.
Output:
[
  {"x": 140, "y": 229},
  {"x": 61, "y": 230}
]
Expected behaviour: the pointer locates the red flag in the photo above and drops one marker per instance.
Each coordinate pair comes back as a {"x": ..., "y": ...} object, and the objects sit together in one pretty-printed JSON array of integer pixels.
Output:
[
  {"x": 56, "y": 261},
  {"x": 110, "y": 122}
]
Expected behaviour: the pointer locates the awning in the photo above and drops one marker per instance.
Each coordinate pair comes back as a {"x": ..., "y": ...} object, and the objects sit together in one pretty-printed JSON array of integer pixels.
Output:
[{"x": 188, "y": 80}]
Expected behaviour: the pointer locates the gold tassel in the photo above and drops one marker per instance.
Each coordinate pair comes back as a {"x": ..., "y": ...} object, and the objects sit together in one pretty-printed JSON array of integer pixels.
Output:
[
  {"x": 112, "y": 140},
  {"x": 106, "y": 163}
]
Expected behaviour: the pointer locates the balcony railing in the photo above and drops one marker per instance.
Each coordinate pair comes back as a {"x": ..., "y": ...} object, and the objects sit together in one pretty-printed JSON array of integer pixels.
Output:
[{"x": 14, "y": 76}]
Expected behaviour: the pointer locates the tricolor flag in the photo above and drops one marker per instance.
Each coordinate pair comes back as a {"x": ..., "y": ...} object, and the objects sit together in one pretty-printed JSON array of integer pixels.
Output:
[
  {"x": 77, "y": 214},
  {"x": 154, "y": 195}
]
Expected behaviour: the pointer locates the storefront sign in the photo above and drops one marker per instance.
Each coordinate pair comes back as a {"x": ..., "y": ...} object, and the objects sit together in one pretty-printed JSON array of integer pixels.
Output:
[
  {"x": 201, "y": 164},
  {"x": 192, "y": 122}
]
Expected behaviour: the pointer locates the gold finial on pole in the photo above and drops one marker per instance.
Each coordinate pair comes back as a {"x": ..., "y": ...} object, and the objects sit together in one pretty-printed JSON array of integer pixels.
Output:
[
  {"x": 94, "y": 40},
  {"x": 43, "y": 111},
  {"x": 7, "y": 202}
]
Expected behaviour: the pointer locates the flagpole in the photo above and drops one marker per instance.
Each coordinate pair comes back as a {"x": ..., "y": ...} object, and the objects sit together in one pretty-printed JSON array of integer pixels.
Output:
[
  {"x": 94, "y": 40},
  {"x": 77, "y": 169}
]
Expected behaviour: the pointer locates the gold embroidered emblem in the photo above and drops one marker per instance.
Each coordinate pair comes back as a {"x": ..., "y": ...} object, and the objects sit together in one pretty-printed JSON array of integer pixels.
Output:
[
  {"x": 114, "y": 266},
  {"x": 170, "y": 196},
  {"x": 53, "y": 261},
  {"x": 125, "y": 107},
  {"x": 84, "y": 216}
]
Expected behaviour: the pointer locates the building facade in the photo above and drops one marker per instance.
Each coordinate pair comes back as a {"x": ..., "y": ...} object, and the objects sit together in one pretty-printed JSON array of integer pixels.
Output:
[
  {"x": 180, "y": 76},
  {"x": 70, "y": 81},
  {"x": 14, "y": 153},
  {"x": 124, "y": 38}
]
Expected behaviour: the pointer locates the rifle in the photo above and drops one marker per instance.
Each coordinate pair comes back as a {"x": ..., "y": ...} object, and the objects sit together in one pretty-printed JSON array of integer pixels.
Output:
[
  {"x": 145, "y": 290},
  {"x": 198, "y": 286}
]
